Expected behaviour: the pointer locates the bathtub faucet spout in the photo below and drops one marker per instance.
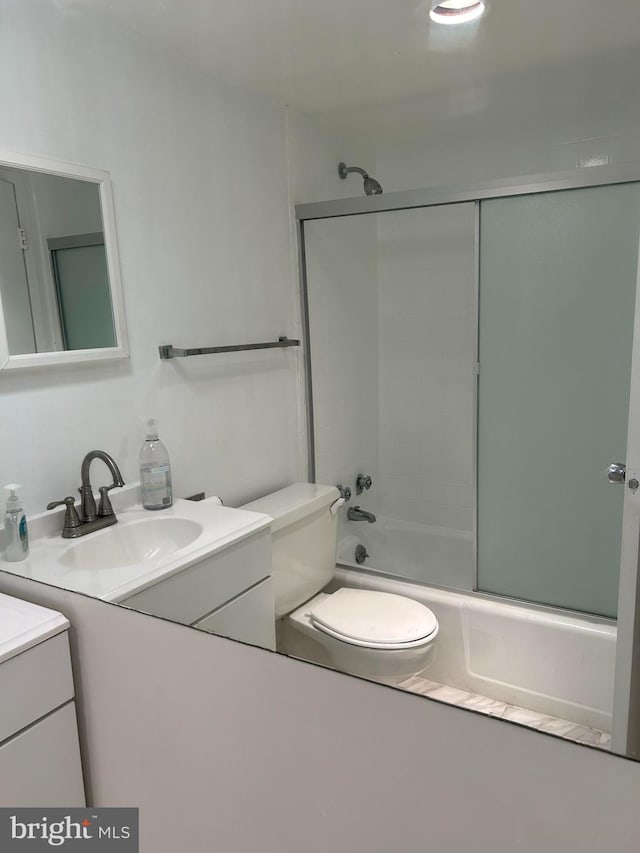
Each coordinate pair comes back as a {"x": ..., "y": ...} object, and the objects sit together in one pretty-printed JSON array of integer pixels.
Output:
[{"x": 354, "y": 513}]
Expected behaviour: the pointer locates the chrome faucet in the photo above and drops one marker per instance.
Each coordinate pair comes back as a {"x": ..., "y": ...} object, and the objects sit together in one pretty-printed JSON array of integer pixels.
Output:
[
  {"x": 355, "y": 513},
  {"x": 87, "y": 502},
  {"x": 90, "y": 519}
]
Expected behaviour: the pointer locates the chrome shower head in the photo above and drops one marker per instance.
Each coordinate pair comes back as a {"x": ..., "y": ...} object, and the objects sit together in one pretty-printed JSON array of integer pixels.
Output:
[{"x": 371, "y": 186}]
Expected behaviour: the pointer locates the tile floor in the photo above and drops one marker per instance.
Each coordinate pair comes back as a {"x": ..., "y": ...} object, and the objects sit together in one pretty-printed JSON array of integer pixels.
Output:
[{"x": 495, "y": 708}]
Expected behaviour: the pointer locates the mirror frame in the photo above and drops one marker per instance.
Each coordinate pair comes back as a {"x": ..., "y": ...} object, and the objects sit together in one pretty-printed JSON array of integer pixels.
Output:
[{"x": 82, "y": 356}]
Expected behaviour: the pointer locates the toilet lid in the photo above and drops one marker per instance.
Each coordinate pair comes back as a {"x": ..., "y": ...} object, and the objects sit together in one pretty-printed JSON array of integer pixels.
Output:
[{"x": 374, "y": 619}]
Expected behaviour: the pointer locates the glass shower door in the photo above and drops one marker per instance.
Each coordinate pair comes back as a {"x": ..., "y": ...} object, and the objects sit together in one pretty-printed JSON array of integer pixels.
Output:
[
  {"x": 391, "y": 328},
  {"x": 558, "y": 278}
]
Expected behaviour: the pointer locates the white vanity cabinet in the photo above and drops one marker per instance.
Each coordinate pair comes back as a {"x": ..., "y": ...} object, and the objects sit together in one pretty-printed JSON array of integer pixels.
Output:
[
  {"x": 39, "y": 748},
  {"x": 227, "y": 593}
]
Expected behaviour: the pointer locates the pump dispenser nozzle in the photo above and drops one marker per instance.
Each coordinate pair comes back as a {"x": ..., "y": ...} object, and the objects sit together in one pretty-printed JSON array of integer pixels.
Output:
[{"x": 13, "y": 501}]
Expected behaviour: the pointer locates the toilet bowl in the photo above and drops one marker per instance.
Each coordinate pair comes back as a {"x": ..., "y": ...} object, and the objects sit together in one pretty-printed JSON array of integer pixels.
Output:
[{"x": 376, "y": 635}]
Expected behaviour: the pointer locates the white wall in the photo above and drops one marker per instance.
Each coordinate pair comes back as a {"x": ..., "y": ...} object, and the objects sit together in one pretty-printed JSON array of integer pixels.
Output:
[
  {"x": 65, "y": 206},
  {"x": 314, "y": 153},
  {"x": 199, "y": 174},
  {"x": 533, "y": 137},
  {"x": 272, "y": 754}
]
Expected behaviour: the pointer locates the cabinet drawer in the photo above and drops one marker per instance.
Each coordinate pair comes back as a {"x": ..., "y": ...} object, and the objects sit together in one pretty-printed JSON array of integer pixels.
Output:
[
  {"x": 41, "y": 765},
  {"x": 34, "y": 683},
  {"x": 250, "y": 617},
  {"x": 199, "y": 589}
]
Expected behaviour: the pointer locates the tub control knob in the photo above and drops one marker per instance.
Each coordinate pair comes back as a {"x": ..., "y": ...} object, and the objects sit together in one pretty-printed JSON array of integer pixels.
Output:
[
  {"x": 616, "y": 472},
  {"x": 363, "y": 481},
  {"x": 361, "y": 554}
]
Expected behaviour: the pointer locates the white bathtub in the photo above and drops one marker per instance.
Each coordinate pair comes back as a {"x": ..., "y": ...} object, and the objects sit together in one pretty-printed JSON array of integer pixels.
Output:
[{"x": 551, "y": 662}]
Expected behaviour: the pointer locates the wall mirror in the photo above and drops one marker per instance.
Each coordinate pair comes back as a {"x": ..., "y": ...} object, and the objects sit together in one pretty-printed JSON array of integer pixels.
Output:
[
  {"x": 60, "y": 289},
  {"x": 486, "y": 365}
]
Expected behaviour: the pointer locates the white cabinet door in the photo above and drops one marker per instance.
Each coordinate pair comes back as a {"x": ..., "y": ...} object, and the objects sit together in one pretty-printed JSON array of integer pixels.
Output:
[
  {"x": 34, "y": 683},
  {"x": 250, "y": 617},
  {"x": 41, "y": 765}
]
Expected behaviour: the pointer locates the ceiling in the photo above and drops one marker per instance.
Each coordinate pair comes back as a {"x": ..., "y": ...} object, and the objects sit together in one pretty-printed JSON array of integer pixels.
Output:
[{"x": 332, "y": 56}]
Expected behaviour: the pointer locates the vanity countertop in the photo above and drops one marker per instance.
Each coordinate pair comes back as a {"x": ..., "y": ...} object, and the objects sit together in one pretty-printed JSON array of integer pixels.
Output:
[
  {"x": 221, "y": 528},
  {"x": 23, "y": 625}
]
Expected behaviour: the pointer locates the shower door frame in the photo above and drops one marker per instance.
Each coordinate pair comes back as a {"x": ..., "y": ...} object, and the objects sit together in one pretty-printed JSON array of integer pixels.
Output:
[{"x": 626, "y": 726}]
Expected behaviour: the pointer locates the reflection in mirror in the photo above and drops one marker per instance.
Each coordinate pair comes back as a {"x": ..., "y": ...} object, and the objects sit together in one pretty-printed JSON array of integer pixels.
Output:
[
  {"x": 407, "y": 574},
  {"x": 82, "y": 286},
  {"x": 59, "y": 278}
]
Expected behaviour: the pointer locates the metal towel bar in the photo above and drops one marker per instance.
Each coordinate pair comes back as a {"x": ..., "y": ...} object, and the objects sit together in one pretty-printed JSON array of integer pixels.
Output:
[{"x": 169, "y": 351}]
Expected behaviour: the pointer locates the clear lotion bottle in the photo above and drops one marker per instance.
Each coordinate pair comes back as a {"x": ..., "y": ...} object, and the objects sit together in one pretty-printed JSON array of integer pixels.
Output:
[
  {"x": 16, "y": 536},
  {"x": 155, "y": 471}
]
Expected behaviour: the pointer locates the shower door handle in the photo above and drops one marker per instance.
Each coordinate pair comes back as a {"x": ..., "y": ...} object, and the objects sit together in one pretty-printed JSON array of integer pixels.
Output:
[{"x": 616, "y": 472}]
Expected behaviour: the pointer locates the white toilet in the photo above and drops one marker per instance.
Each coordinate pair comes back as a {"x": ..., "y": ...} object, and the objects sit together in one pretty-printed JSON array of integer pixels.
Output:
[{"x": 376, "y": 635}]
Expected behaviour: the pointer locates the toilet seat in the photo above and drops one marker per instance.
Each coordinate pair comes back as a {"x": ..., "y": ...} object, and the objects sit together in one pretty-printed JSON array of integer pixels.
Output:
[{"x": 374, "y": 620}]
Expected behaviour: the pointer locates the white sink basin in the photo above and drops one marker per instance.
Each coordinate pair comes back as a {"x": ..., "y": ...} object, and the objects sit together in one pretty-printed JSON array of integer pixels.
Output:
[{"x": 132, "y": 542}]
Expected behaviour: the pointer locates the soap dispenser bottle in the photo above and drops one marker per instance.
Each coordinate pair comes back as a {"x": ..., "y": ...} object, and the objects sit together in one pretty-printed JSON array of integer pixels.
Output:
[
  {"x": 16, "y": 536},
  {"x": 155, "y": 471}
]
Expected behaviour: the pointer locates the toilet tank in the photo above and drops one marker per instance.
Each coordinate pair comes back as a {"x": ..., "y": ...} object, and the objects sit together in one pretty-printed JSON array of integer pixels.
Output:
[{"x": 304, "y": 541}]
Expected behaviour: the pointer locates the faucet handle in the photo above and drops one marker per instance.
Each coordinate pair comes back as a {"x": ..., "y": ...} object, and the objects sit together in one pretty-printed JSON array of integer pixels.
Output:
[
  {"x": 345, "y": 492},
  {"x": 363, "y": 481},
  {"x": 71, "y": 517},
  {"x": 104, "y": 508}
]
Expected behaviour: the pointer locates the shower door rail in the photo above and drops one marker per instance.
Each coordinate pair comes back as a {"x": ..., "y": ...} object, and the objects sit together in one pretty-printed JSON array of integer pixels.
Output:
[{"x": 595, "y": 176}]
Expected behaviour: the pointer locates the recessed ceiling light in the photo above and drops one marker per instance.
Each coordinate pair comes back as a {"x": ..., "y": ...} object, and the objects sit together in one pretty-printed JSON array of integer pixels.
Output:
[{"x": 456, "y": 11}]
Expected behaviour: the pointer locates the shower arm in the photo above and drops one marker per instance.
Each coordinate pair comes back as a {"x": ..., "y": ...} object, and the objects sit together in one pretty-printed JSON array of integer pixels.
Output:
[{"x": 344, "y": 170}]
